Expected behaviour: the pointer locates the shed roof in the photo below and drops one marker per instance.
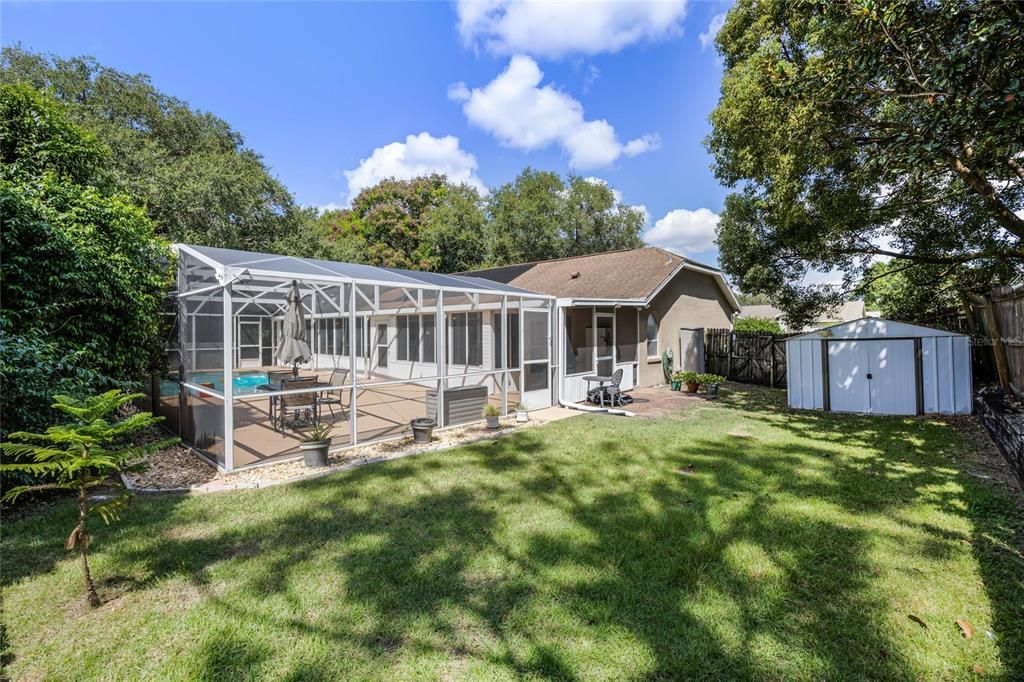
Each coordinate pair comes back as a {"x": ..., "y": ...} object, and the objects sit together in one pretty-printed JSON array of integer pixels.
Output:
[
  {"x": 293, "y": 267},
  {"x": 632, "y": 274},
  {"x": 872, "y": 328}
]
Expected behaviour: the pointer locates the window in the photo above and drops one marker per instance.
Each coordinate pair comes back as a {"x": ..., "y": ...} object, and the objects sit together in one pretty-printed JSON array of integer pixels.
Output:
[
  {"x": 652, "y": 336},
  {"x": 340, "y": 336},
  {"x": 429, "y": 344},
  {"x": 403, "y": 337},
  {"x": 409, "y": 338},
  {"x": 579, "y": 344},
  {"x": 467, "y": 339}
]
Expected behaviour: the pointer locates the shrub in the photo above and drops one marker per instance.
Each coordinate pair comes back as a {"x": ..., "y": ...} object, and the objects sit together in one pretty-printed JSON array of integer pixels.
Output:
[
  {"x": 689, "y": 377},
  {"x": 83, "y": 275},
  {"x": 80, "y": 456},
  {"x": 763, "y": 325}
]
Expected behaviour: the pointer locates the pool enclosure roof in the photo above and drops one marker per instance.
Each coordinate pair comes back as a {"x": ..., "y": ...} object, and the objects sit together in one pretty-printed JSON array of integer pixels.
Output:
[{"x": 231, "y": 264}]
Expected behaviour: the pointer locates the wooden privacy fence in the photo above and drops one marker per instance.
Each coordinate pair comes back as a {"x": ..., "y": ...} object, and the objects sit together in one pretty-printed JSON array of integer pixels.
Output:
[
  {"x": 999, "y": 316},
  {"x": 748, "y": 357}
]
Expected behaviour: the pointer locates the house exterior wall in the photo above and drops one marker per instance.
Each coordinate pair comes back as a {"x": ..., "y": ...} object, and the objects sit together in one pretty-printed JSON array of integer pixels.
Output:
[{"x": 692, "y": 299}]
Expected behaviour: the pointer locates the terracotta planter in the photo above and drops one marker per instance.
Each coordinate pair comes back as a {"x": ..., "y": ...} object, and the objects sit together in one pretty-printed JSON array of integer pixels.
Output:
[
  {"x": 691, "y": 388},
  {"x": 314, "y": 453}
]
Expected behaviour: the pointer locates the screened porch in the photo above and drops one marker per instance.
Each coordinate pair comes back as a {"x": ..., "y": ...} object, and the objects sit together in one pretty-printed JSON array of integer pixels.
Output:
[{"x": 387, "y": 346}]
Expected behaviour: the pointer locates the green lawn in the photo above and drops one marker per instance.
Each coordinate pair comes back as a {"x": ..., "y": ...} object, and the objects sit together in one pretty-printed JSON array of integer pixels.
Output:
[{"x": 737, "y": 540}]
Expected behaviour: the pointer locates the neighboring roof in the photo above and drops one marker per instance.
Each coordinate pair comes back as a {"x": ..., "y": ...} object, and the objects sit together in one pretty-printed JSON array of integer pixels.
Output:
[
  {"x": 766, "y": 311},
  {"x": 633, "y": 274},
  {"x": 285, "y": 267},
  {"x": 873, "y": 327},
  {"x": 849, "y": 310}
]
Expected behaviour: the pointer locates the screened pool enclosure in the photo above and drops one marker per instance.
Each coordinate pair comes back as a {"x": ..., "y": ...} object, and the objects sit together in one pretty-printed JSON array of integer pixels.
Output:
[{"x": 387, "y": 346}]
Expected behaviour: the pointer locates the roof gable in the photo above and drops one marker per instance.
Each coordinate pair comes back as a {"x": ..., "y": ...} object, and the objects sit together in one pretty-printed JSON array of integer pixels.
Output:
[{"x": 634, "y": 274}]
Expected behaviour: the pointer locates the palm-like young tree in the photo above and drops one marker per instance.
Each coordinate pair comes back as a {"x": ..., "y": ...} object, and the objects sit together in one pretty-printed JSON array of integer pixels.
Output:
[{"x": 82, "y": 455}]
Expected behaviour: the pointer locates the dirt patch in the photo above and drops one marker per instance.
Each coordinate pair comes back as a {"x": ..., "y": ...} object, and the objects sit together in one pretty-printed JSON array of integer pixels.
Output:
[{"x": 984, "y": 460}]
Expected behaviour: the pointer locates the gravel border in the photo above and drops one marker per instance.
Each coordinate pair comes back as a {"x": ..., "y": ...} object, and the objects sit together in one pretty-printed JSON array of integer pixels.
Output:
[{"x": 186, "y": 472}]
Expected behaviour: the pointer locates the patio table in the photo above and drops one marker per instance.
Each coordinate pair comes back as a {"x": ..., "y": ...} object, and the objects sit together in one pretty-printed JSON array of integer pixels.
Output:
[
  {"x": 600, "y": 381},
  {"x": 279, "y": 386}
]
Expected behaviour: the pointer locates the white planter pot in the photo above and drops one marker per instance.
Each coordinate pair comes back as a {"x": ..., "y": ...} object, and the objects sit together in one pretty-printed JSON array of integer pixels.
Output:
[{"x": 522, "y": 416}]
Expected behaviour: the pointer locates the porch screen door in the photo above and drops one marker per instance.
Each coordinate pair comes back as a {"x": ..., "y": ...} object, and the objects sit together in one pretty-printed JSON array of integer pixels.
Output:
[{"x": 536, "y": 388}]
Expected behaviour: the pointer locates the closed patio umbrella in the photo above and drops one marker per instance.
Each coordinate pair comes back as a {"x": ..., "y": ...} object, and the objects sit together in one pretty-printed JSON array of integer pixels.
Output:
[{"x": 293, "y": 348}]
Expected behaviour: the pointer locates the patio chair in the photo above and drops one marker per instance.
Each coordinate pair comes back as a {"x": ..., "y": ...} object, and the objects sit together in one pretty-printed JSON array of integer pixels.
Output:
[
  {"x": 611, "y": 394},
  {"x": 297, "y": 405},
  {"x": 333, "y": 396},
  {"x": 275, "y": 376}
]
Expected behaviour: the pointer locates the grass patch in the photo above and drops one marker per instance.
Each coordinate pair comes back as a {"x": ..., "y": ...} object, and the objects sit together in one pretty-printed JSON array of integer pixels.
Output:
[{"x": 738, "y": 541}]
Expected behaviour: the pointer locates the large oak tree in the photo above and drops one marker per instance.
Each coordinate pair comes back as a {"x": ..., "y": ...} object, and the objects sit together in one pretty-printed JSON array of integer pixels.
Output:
[{"x": 859, "y": 129}]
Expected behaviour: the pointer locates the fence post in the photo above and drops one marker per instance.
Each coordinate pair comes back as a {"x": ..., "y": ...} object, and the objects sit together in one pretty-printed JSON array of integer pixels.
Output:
[
  {"x": 771, "y": 352},
  {"x": 728, "y": 356}
]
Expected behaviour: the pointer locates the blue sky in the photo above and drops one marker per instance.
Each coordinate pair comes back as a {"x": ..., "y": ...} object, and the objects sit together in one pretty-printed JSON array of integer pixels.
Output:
[{"x": 336, "y": 95}]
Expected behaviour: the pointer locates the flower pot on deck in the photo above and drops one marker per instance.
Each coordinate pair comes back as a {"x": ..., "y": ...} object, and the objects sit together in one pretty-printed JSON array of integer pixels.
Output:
[
  {"x": 422, "y": 429},
  {"x": 314, "y": 453}
]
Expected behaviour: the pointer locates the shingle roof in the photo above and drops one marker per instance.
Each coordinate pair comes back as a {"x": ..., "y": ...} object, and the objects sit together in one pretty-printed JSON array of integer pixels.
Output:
[{"x": 628, "y": 274}]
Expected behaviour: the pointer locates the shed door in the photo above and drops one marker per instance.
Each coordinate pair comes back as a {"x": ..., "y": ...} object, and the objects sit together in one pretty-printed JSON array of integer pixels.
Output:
[
  {"x": 876, "y": 377},
  {"x": 848, "y": 388},
  {"x": 893, "y": 379}
]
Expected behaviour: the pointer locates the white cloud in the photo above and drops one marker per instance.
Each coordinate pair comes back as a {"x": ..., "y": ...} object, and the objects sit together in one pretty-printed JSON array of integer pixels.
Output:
[
  {"x": 419, "y": 155},
  {"x": 601, "y": 181},
  {"x": 708, "y": 37},
  {"x": 521, "y": 113},
  {"x": 329, "y": 206},
  {"x": 556, "y": 29},
  {"x": 684, "y": 231}
]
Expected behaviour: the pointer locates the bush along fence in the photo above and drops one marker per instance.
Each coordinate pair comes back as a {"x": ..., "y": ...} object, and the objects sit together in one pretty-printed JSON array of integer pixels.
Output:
[{"x": 748, "y": 357}]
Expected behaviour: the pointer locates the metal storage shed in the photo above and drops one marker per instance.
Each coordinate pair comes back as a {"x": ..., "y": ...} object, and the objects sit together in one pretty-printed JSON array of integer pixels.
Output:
[{"x": 877, "y": 366}]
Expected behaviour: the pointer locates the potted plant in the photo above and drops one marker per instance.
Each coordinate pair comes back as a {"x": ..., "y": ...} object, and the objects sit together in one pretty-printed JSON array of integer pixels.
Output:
[
  {"x": 491, "y": 412},
  {"x": 691, "y": 379},
  {"x": 315, "y": 444},
  {"x": 422, "y": 429},
  {"x": 676, "y": 381},
  {"x": 521, "y": 414},
  {"x": 710, "y": 383}
]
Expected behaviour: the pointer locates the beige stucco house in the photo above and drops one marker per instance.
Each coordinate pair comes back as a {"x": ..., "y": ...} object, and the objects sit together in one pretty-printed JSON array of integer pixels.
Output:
[{"x": 622, "y": 310}]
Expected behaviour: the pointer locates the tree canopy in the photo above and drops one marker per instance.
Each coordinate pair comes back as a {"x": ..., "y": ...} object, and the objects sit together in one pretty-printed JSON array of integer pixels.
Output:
[
  {"x": 193, "y": 173},
  {"x": 858, "y": 129},
  {"x": 428, "y": 223},
  {"x": 539, "y": 216},
  {"x": 83, "y": 276}
]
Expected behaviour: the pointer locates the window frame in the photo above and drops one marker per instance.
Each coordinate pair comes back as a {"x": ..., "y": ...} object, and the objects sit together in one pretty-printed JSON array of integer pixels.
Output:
[{"x": 648, "y": 340}]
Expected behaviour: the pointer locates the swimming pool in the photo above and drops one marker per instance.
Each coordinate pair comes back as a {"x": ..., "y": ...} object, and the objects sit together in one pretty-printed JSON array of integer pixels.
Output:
[{"x": 242, "y": 383}]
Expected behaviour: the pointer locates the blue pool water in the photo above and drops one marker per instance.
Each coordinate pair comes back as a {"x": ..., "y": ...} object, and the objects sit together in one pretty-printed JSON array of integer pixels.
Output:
[{"x": 243, "y": 382}]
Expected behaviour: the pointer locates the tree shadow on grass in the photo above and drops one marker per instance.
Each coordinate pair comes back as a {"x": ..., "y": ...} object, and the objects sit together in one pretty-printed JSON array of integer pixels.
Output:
[
  {"x": 531, "y": 554},
  {"x": 917, "y": 459}
]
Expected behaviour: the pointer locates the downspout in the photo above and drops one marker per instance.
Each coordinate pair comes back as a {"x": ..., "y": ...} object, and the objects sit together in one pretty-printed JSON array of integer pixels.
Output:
[{"x": 593, "y": 409}]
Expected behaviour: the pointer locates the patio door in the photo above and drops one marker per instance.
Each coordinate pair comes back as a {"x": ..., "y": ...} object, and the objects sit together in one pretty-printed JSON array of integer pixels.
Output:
[
  {"x": 249, "y": 343},
  {"x": 604, "y": 344},
  {"x": 536, "y": 381}
]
